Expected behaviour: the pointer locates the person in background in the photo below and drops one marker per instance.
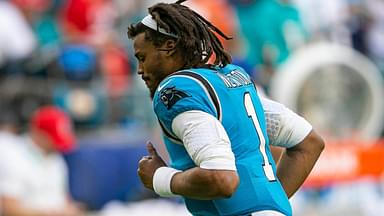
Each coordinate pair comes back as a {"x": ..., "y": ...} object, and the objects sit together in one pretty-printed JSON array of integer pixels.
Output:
[
  {"x": 9, "y": 127},
  {"x": 271, "y": 31},
  {"x": 9, "y": 121},
  {"x": 17, "y": 40},
  {"x": 33, "y": 174}
]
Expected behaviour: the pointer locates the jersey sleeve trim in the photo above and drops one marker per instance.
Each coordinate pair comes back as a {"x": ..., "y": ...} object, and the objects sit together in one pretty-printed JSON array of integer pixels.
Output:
[
  {"x": 169, "y": 134},
  {"x": 210, "y": 91}
]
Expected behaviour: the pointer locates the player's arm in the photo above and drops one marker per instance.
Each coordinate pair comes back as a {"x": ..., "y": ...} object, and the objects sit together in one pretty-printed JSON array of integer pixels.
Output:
[
  {"x": 209, "y": 147},
  {"x": 276, "y": 153},
  {"x": 295, "y": 144},
  {"x": 297, "y": 162},
  {"x": 204, "y": 184},
  {"x": 11, "y": 206}
]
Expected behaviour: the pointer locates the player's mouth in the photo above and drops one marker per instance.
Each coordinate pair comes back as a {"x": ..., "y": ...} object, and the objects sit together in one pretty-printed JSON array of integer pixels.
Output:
[{"x": 146, "y": 80}]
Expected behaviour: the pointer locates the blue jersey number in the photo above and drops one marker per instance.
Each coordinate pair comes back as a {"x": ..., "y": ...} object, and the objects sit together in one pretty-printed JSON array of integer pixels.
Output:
[{"x": 267, "y": 167}]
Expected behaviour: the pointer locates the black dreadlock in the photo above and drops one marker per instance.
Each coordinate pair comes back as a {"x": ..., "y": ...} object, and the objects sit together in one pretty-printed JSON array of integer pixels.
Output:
[{"x": 196, "y": 36}]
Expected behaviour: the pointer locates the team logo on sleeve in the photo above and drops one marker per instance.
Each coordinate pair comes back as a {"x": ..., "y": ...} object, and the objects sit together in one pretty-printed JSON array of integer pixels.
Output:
[{"x": 171, "y": 95}]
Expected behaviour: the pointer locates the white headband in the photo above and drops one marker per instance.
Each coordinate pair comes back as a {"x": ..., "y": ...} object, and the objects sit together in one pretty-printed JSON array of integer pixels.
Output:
[{"x": 152, "y": 24}]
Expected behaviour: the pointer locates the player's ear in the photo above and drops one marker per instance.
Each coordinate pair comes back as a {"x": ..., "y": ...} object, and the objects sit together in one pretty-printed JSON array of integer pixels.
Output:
[{"x": 169, "y": 46}]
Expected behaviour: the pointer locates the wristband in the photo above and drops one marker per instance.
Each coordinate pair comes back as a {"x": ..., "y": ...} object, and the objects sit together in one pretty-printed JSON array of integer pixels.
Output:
[{"x": 162, "y": 181}]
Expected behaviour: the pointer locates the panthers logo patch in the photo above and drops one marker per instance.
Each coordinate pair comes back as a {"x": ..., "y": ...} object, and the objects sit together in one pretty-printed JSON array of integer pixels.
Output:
[{"x": 171, "y": 95}]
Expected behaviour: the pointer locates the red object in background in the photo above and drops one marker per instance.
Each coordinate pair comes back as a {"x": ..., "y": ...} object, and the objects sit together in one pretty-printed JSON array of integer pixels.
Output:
[
  {"x": 33, "y": 5},
  {"x": 347, "y": 160},
  {"x": 76, "y": 16},
  {"x": 116, "y": 70},
  {"x": 57, "y": 125},
  {"x": 219, "y": 13}
]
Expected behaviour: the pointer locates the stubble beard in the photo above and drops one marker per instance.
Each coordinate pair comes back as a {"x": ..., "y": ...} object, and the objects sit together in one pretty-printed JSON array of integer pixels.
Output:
[{"x": 151, "y": 93}]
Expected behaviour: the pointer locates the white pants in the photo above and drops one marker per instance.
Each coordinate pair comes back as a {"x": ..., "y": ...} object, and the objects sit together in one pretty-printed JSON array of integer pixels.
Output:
[{"x": 267, "y": 213}]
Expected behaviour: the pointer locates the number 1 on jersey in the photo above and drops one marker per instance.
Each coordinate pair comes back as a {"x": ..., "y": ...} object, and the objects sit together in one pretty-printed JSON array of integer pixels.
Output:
[{"x": 267, "y": 167}]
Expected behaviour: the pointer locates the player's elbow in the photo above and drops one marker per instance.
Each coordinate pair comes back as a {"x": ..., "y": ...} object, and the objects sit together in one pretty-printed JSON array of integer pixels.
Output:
[
  {"x": 317, "y": 142},
  {"x": 313, "y": 145},
  {"x": 226, "y": 183}
]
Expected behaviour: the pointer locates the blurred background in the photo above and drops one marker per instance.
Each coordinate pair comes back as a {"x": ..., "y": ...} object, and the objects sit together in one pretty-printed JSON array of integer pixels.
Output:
[{"x": 323, "y": 59}]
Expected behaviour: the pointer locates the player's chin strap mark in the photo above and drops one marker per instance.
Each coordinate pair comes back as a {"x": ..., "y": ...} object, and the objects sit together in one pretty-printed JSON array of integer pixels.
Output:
[
  {"x": 152, "y": 24},
  {"x": 208, "y": 87}
]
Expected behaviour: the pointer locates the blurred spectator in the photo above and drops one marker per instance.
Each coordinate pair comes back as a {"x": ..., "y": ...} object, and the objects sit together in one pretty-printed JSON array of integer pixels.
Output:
[
  {"x": 85, "y": 104},
  {"x": 8, "y": 130},
  {"x": 89, "y": 21},
  {"x": 9, "y": 121},
  {"x": 325, "y": 19},
  {"x": 33, "y": 175},
  {"x": 78, "y": 61},
  {"x": 76, "y": 17},
  {"x": 358, "y": 23},
  {"x": 115, "y": 68},
  {"x": 46, "y": 24},
  {"x": 17, "y": 40},
  {"x": 271, "y": 30},
  {"x": 219, "y": 13},
  {"x": 375, "y": 36}
]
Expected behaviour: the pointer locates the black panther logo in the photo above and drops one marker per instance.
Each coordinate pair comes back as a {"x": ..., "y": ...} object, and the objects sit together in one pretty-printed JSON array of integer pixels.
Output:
[{"x": 171, "y": 95}]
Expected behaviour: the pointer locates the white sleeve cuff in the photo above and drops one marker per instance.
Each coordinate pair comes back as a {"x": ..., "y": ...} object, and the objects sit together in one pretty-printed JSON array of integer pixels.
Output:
[
  {"x": 218, "y": 164},
  {"x": 295, "y": 129}
]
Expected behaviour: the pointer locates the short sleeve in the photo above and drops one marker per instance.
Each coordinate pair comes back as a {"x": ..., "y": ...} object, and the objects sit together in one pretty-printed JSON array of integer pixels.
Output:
[
  {"x": 179, "y": 94},
  {"x": 285, "y": 128}
]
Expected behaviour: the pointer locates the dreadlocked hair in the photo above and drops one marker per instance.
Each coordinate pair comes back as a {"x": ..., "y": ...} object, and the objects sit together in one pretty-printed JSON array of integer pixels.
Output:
[{"x": 196, "y": 36}]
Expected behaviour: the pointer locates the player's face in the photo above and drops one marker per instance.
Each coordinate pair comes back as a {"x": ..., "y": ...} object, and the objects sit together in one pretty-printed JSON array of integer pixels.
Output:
[
  {"x": 154, "y": 63},
  {"x": 42, "y": 140}
]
